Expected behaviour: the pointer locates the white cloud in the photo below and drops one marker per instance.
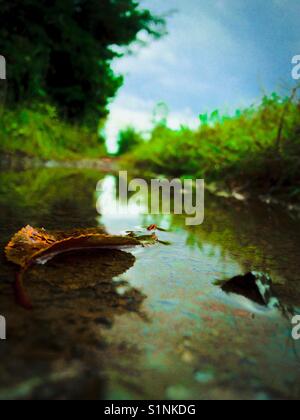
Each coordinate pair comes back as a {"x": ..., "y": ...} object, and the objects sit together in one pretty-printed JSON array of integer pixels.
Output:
[
  {"x": 127, "y": 110},
  {"x": 130, "y": 110},
  {"x": 215, "y": 56}
]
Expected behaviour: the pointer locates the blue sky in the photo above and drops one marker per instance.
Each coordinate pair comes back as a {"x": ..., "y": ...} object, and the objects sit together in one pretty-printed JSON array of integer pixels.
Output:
[{"x": 218, "y": 54}]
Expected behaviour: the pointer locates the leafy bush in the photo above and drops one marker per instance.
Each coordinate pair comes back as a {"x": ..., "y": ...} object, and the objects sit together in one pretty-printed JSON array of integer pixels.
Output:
[
  {"x": 257, "y": 148},
  {"x": 128, "y": 140},
  {"x": 37, "y": 131}
]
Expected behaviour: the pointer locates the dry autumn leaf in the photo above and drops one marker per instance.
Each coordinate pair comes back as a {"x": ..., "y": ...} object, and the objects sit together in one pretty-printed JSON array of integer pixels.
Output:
[{"x": 31, "y": 245}]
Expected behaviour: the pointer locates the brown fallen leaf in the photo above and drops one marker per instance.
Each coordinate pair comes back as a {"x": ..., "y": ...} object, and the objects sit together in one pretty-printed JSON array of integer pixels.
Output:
[{"x": 31, "y": 245}]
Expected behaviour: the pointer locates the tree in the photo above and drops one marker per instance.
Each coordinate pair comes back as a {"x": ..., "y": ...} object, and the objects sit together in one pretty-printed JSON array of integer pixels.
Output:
[{"x": 62, "y": 50}]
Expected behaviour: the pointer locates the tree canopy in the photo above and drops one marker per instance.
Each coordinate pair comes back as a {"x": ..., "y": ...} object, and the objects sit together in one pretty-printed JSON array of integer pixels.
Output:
[{"x": 62, "y": 50}]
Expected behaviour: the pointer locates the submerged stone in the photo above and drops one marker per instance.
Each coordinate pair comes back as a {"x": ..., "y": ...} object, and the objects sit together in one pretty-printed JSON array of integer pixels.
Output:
[{"x": 255, "y": 286}]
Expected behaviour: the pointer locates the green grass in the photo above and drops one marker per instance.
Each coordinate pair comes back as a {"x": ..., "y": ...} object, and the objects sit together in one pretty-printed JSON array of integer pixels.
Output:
[
  {"x": 257, "y": 149},
  {"x": 38, "y": 132}
]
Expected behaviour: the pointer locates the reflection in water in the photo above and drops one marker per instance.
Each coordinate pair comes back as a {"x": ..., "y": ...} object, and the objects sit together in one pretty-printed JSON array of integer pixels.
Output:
[
  {"x": 252, "y": 287},
  {"x": 92, "y": 273},
  {"x": 109, "y": 204},
  {"x": 257, "y": 287},
  {"x": 89, "y": 335}
]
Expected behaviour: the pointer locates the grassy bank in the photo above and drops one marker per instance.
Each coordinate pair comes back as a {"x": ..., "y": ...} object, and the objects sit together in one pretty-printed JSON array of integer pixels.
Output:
[
  {"x": 256, "y": 150},
  {"x": 38, "y": 132}
]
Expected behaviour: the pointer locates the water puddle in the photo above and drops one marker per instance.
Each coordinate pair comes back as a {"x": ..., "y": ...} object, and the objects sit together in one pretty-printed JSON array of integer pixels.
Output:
[{"x": 150, "y": 322}]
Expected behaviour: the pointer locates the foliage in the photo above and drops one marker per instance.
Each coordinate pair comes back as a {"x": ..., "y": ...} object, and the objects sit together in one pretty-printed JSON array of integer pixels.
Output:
[
  {"x": 56, "y": 192},
  {"x": 128, "y": 140},
  {"x": 245, "y": 150},
  {"x": 38, "y": 132},
  {"x": 62, "y": 50}
]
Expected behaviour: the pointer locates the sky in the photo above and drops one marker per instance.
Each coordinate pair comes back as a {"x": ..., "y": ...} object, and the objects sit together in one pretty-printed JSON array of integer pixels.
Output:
[{"x": 221, "y": 54}]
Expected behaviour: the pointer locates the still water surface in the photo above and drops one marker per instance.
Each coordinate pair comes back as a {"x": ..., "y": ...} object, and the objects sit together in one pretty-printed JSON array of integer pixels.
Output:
[{"x": 147, "y": 323}]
